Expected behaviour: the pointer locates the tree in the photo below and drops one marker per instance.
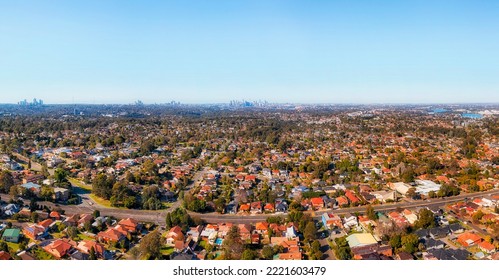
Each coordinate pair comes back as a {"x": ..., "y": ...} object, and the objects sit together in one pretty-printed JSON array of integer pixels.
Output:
[
  {"x": 410, "y": 243},
  {"x": 342, "y": 251},
  {"x": 426, "y": 219},
  {"x": 395, "y": 241},
  {"x": 6, "y": 181},
  {"x": 267, "y": 252},
  {"x": 477, "y": 216},
  {"x": 408, "y": 175},
  {"x": 411, "y": 192},
  {"x": 4, "y": 247},
  {"x": 60, "y": 175},
  {"x": 72, "y": 232},
  {"x": 249, "y": 254},
  {"x": 310, "y": 232},
  {"x": 47, "y": 193},
  {"x": 96, "y": 214},
  {"x": 233, "y": 245},
  {"x": 371, "y": 214},
  {"x": 92, "y": 254},
  {"x": 315, "y": 250},
  {"x": 150, "y": 246},
  {"x": 103, "y": 186}
]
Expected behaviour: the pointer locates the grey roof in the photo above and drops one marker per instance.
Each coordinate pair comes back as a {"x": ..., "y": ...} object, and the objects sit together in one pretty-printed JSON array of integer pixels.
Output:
[{"x": 450, "y": 254}]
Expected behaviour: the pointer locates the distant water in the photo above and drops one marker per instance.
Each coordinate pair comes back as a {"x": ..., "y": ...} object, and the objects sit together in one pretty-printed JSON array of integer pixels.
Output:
[
  {"x": 439, "y": 111},
  {"x": 472, "y": 115}
]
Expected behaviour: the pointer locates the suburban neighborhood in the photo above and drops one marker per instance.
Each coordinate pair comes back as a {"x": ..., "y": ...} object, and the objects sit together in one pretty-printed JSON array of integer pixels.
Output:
[{"x": 271, "y": 182}]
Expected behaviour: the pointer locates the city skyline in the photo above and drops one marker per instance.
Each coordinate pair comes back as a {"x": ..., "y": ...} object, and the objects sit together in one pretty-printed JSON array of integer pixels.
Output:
[{"x": 283, "y": 52}]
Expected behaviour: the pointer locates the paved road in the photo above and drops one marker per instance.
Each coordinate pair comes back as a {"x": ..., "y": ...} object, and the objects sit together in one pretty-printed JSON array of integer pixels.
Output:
[{"x": 326, "y": 250}]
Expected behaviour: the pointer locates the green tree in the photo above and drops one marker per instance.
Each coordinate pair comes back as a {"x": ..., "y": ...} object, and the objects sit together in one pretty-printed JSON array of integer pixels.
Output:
[
  {"x": 6, "y": 181},
  {"x": 370, "y": 213},
  {"x": 410, "y": 243},
  {"x": 310, "y": 232},
  {"x": 92, "y": 254},
  {"x": 426, "y": 219},
  {"x": 103, "y": 186},
  {"x": 150, "y": 246},
  {"x": 233, "y": 245},
  {"x": 72, "y": 232},
  {"x": 60, "y": 175},
  {"x": 395, "y": 241},
  {"x": 248, "y": 254},
  {"x": 267, "y": 252}
]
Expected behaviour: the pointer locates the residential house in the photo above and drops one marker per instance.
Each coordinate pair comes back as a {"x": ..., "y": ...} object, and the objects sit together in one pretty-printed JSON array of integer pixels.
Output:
[
  {"x": 4, "y": 256},
  {"x": 34, "y": 231},
  {"x": 85, "y": 218},
  {"x": 245, "y": 231},
  {"x": 194, "y": 233},
  {"x": 10, "y": 209},
  {"x": 86, "y": 246},
  {"x": 291, "y": 231},
  {"x": 431, "y": 243},
  {"x": 409, "y": 216},
  {"x": 487, "y": 247},
  {"x": 438, "y": 232},
  {"x": 261, "y": 228},
  {"x": 342, "y": 201},
  {"x": 61, "y": 194},
  {"x": 256, "y": 207},
  {"x": 111, "y": 235},
  {"x": 58, "y": 248},
  {"x": 281, "y": 207},
  {"x": 71, "y": 220},
  {"x": 55, "y": 215},
  {"x": 330, "y": 221},
  {"x": 174, "y": 234},
  {"x": 245, "y": 207},
  {"x": 350, "y": 221},
  {"x": 130, "y": 225},
  {"x": 11, "y": 235},
  {"x": 269, "y": 208},
  {"x": 362, "y": 243},
  {"x": 351, "y": 196},
  {"x": 209, "y": 233},
  {"x": 469, "y": 239},
  {"x": 385, "y": 196},
  {"x": 317, "y": 203}
]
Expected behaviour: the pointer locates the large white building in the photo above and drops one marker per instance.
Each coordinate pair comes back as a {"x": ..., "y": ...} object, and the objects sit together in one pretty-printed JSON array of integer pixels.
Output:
[{"x": 423, "y": 187}]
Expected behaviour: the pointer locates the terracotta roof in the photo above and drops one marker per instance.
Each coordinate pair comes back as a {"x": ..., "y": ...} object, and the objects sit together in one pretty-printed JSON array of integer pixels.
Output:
[
  {"x": 4, "y": 256},
  {"x": 45, "y": 223},
  {"x": 58, "y": 248}
]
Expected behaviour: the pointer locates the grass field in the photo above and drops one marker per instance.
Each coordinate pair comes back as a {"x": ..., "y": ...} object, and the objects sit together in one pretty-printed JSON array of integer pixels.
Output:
[
  {"x": 166, "y": 251},
  {"x": 101, "y": 201},
  {"x": 41, "y": 254},
  {"x": 80, "y": 184},
  {"x": 13, "y": 246}
]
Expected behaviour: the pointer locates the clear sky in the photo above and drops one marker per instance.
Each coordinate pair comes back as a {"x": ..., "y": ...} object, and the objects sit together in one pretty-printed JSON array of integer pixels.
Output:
[{"x": 281, "y": 51}]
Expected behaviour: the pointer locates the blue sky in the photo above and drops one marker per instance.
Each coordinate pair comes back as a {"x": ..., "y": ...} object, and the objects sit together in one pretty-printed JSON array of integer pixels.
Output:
[{"x": 280, "y": 51}]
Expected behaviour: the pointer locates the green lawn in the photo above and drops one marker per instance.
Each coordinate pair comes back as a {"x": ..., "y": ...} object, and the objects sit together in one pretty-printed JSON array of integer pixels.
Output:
[
  {"x": 203, "y": 244},
  {"x": 82, "y": 236},
  {"x": 41, "y": 254},
  {"x": 80, "y": 184},
  {"x": 101, "y": 201},
  {"x": 13, "y": 246},
  {"x": 166, "y": 251}
]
